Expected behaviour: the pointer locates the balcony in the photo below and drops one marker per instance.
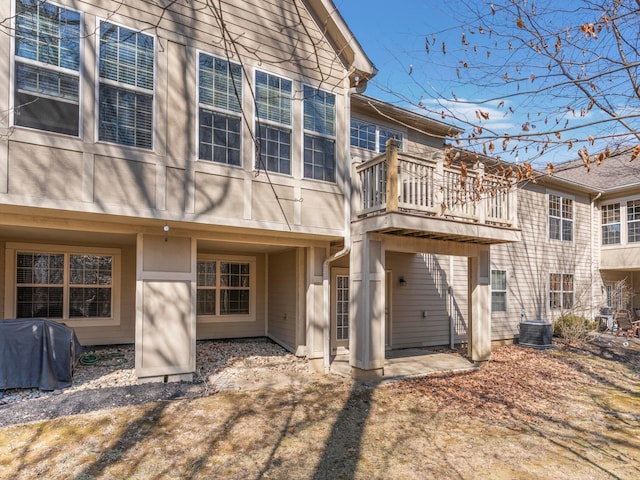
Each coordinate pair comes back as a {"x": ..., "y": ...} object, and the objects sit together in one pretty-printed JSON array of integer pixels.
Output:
[{"x": 401, "y": 194}]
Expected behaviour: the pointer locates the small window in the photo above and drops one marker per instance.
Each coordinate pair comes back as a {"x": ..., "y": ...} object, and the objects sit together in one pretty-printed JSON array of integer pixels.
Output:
[
  {"x": 372, "y": 137},
  {"x": 47, "y": 67},
  {"x": 64, "y": 285},
  {"x": 319, "y": 135},
  {"x": 560, "y": 218},
  {"x": 126, "y": 69},
  {"x": 363, "y": 135},
  {"x": 611, "y": 224},
  {"x": 633, "y": 221},
  {"x": 498, "y": 290},
  {"x": 273, "y": 125},
  {"x": 561, "y": 291},
  {"x": 220, "y": 107},
  {"x": 225, "y": 288}
]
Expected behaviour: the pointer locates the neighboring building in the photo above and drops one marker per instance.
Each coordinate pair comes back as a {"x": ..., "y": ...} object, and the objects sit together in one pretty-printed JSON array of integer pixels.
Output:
[{"x": 182, "y": 174}]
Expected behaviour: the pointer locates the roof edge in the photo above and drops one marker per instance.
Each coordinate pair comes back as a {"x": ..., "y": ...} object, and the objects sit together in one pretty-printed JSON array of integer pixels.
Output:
[{"x": 343, "y": 40}]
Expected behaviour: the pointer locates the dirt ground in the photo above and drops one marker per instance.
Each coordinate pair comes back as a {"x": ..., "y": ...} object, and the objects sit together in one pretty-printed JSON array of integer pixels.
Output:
[{"x": 571, "y": 412}]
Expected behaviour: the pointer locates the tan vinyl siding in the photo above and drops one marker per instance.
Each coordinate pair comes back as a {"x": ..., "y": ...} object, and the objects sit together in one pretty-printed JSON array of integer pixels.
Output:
[
  {"x": 282, "y": 298},
  {"x": 528, "y": 263},
  {"x": 460, "y": 304},
  {"x": 426, "y": 289},
  {"x": 419, "y": 143}
]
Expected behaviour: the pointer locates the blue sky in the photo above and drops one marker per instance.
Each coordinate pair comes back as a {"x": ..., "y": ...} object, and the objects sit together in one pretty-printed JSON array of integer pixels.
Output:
[{"x": 393, "y": 35}]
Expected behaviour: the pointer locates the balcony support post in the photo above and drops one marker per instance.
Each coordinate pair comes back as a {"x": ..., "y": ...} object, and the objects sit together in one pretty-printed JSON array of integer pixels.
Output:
[{"x": 392, "y": 175}]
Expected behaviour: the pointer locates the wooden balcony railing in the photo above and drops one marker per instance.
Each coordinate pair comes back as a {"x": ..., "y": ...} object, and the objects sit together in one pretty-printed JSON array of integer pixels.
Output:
[{"x": 399, "y": 182}]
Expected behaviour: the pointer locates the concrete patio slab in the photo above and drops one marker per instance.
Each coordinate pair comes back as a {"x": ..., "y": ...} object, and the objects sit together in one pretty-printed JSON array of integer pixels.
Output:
[{"x": 410, "y": 362}]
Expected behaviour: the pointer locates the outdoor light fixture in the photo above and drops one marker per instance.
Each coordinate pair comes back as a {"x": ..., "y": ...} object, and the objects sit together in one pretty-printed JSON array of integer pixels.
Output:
[
  {"x": 403, "y": 282},
  {"x": 166, "y": 232}
]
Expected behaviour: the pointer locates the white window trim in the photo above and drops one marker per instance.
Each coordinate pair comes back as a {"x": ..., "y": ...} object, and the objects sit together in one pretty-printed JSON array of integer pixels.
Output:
[
  {"x": 235, "y": 318},
  {"x": 321, "y": 135},
  {"x": 506, "y": 290},
  {"x": 562, "y": 196},
  {"x": 626, "y": 221},
  {"x": 240, "y": 114},
  {"x": 96, "y": 107},
  {"x": 12, "y": 72},
  {"x": 377, "y": 138},
  {"x": 619, "y": 222},
  {"x": 292, "y": 127},
  {"x": 12, "y": 249}
]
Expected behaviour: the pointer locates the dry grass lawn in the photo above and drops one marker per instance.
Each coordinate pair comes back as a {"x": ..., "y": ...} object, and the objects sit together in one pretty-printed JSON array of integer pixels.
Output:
[{"x": 566, "y": 413}]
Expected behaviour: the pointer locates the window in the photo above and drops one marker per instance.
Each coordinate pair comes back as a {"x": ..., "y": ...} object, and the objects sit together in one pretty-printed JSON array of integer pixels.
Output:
[
  {"x": 342, "y": 307},
  {"x": 220, "y": 107},
  {"x": 273, "y": 104},
  {"x": 384, "y": 135},
  {"x": 225, "y": 287},
  {"x": 319, "y": 134},
  {"x": 633, "y": 221},
  {"x": 611, "y": 224},
  {"x": 498, "y": 290},
  {"x": 64, "y": 285},
  {"x": 363, "y": 135},
  {"x": 372, "y": 137},
  {"x": 560, "y": 218},
  {"x": 47, "y": 67},
  {"x": 126, "y": 70},
  {"x": 561, "y": 291}
]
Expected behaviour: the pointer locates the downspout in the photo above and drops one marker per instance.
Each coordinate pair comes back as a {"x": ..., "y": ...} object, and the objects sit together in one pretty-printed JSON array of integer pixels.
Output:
[
  {"x": 591, "y": 264},
  {"x": 346, "y": 248}
]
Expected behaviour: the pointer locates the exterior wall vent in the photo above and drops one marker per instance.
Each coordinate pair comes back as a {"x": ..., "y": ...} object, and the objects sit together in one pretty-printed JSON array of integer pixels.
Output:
[{"x": 536, "y": 334}]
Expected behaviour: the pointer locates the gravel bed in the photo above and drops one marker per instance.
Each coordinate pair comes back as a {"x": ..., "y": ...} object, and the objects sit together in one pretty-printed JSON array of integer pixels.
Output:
[{"x": 117, "y": 371}]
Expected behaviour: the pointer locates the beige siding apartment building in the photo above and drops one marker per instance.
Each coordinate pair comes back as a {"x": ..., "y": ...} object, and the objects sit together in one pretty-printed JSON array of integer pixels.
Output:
[{"x": 212, "y": 170}]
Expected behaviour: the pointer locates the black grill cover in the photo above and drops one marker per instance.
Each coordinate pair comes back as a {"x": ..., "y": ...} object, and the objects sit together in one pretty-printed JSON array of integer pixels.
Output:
[{"x": 36, "y": 352}]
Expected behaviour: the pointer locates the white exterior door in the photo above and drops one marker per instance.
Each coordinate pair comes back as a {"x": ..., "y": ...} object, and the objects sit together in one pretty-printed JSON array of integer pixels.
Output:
[{"x": 339, "y": 309}]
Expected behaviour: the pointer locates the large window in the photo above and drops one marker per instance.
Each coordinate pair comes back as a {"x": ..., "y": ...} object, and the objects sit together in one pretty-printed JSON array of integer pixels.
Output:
[
  {"x": 633, "y": 221},
  {"x": 611, "y": 224},
  {"x": 47, "y": 67},
  {"x": 319, "y": 134},
  {"x": 273, "y": 103},
  {"x": 561, "y": 291},
  {"x": 560, "y": 218},
  {"x": 126, "y": 70},
  {"x": 372, "y": 137},
  {"x": 64, "y": 285},
  {"x": 225, "y": 287},
  {"x": 498, "y": 290},
  {"x": 220, "y": 107}
]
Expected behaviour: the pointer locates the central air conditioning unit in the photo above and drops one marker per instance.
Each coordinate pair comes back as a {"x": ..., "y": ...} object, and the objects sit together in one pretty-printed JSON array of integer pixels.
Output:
[{"x": 536, "y": 334}]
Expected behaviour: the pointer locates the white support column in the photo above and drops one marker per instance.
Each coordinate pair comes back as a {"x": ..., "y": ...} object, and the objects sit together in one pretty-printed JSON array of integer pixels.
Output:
[
  {"x": 165, "y": 308},
  {"x": 366, "y": 313},
  {"x": 314, "y": 308},
  {"x": 479, "y": 273}
]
